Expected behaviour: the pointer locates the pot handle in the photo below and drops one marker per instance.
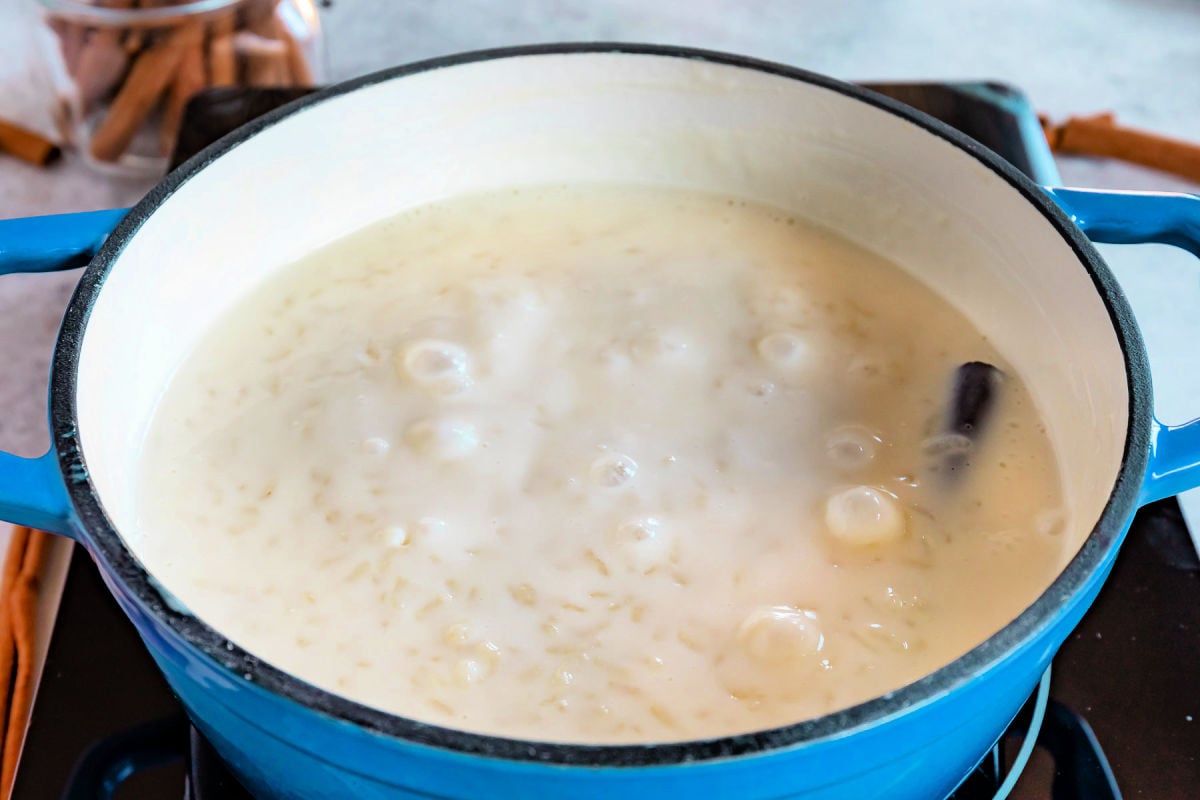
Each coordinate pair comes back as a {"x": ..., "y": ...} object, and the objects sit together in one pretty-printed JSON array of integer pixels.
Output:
[
  {"x": 1140, "y": 218},
  {"x": 31, "y": 489},
  {"x": 58, "y": 241}
]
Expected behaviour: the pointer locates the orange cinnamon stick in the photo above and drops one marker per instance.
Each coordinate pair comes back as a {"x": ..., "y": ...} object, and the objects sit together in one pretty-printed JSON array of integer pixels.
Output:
[
  {"x": 222, "y": 61},
  {"x": 17, "y": 545},
  {"x": 152, "y": 71},
  {"x": 265, "y": 58},
  {"x": 294, "y": 70},
  {"x": 1100, "y": 135},
  {"x": 27, "y": 145},
  {"x": 23, "y": 598},
  {"x": 101, "y": 63},
  {"x": 301, "y": 73},
  {"x": 189, "y": 79}
]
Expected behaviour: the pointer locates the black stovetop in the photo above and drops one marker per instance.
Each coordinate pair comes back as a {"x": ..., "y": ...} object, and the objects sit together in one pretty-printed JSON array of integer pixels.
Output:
[{"x": 1130, "y": 669}]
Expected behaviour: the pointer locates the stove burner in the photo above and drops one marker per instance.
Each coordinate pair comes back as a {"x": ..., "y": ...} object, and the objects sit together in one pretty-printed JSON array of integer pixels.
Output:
[{"x": 1081, "y": 770}]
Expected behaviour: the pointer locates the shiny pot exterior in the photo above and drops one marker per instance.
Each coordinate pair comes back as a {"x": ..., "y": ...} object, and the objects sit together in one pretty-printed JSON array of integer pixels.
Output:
[{"x": 882, "y": 174}]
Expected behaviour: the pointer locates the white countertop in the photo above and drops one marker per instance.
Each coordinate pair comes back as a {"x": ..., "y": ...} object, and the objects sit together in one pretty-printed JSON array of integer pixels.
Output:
[{"x": 1071, "y": 56}]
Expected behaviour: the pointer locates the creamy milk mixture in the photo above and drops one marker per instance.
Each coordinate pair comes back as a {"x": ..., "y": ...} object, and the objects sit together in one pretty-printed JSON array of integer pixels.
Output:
[{"x": 596, "y": 465}]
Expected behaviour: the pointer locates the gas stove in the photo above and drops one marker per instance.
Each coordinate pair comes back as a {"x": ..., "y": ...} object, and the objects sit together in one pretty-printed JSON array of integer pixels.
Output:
[{"x": 1116, "y": 717}]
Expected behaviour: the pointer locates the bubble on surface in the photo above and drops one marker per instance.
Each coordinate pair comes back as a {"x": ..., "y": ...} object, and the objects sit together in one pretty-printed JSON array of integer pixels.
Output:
[
  {"x": 440, "y": 366},
  {"x": 774, "y": 634},
  {"x": 852, "y": 447},
  {"x": 643, "y": 542},
  {"x": 446, "y": 439},
  {"x": 613, "y": 470},
  {"x": 862, "y": 515},
  {"x": 784, "y": 349}
]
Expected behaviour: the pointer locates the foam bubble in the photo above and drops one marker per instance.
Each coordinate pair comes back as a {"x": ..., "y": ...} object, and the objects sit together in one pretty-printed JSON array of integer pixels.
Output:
[
  {"x": 613, "y": 469},
  {"x": 470, "y": 670},
  {"x": 447, "y": 439},
  {"x": 643, "y": 542},
  {"x": 440, "y": 366},
  {"x": 862, "y": 515},
  {"x": 852, "y": 447},
  {"x": 781, "y": 633},
  {"x": 784, "y": 349}
]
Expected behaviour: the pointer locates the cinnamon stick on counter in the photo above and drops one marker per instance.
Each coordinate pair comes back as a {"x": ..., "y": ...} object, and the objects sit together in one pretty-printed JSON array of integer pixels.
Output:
[
  {"x": 101, "y": 62},
  {"x": 1100, "y": 135},
  {"x": 28, "y": 552},
  {"x": 8, "y": 653},
  {"x": 294, "y": 67},
  {"x": 265, "y": 58},
  {"x": 22, "y": 598},
  {"x": 301, "y": 73},
  {"x": 27, "y": 145},
  {"x": 222, "y": 61},
  {"x": 154, "y": 68},
  {"x": 152, "y": 71},
  {"x": 189, "y": 79}
]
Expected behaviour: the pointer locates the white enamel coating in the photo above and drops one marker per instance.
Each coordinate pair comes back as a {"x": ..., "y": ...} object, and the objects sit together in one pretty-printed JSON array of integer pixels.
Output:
[{"x": 569, "y": 118}]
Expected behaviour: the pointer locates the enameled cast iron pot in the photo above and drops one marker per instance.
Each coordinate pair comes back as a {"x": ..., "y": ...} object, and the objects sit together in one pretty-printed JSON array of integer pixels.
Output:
[{"x": 1015, "y": 257}]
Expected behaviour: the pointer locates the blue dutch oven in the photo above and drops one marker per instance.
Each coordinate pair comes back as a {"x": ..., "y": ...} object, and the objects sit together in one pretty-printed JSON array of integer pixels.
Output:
[{"x": 1015, "y": 257}]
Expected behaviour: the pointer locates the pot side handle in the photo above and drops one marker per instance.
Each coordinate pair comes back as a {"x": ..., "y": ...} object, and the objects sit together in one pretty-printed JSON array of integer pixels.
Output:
[
  {"x": 1141, "y": 218},
  {"x": 55, "y": 242},
  {"x": 31, "y": 489}
]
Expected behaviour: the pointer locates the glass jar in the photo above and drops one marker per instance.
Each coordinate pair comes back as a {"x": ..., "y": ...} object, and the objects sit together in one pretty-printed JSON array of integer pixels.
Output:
[{"x": 126, "y": 68}]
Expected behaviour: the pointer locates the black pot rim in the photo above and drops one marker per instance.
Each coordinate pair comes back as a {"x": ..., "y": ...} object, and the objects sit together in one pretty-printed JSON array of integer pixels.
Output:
[{"x": 108, "y": 549}]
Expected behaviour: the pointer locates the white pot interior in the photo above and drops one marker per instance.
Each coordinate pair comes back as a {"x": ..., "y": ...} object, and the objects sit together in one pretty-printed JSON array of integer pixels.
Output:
[{"x": 342, "y": 163}]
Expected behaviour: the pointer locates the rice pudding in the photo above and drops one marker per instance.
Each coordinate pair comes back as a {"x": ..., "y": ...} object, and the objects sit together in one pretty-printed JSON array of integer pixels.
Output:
[{"x": 596, "y": 464}]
